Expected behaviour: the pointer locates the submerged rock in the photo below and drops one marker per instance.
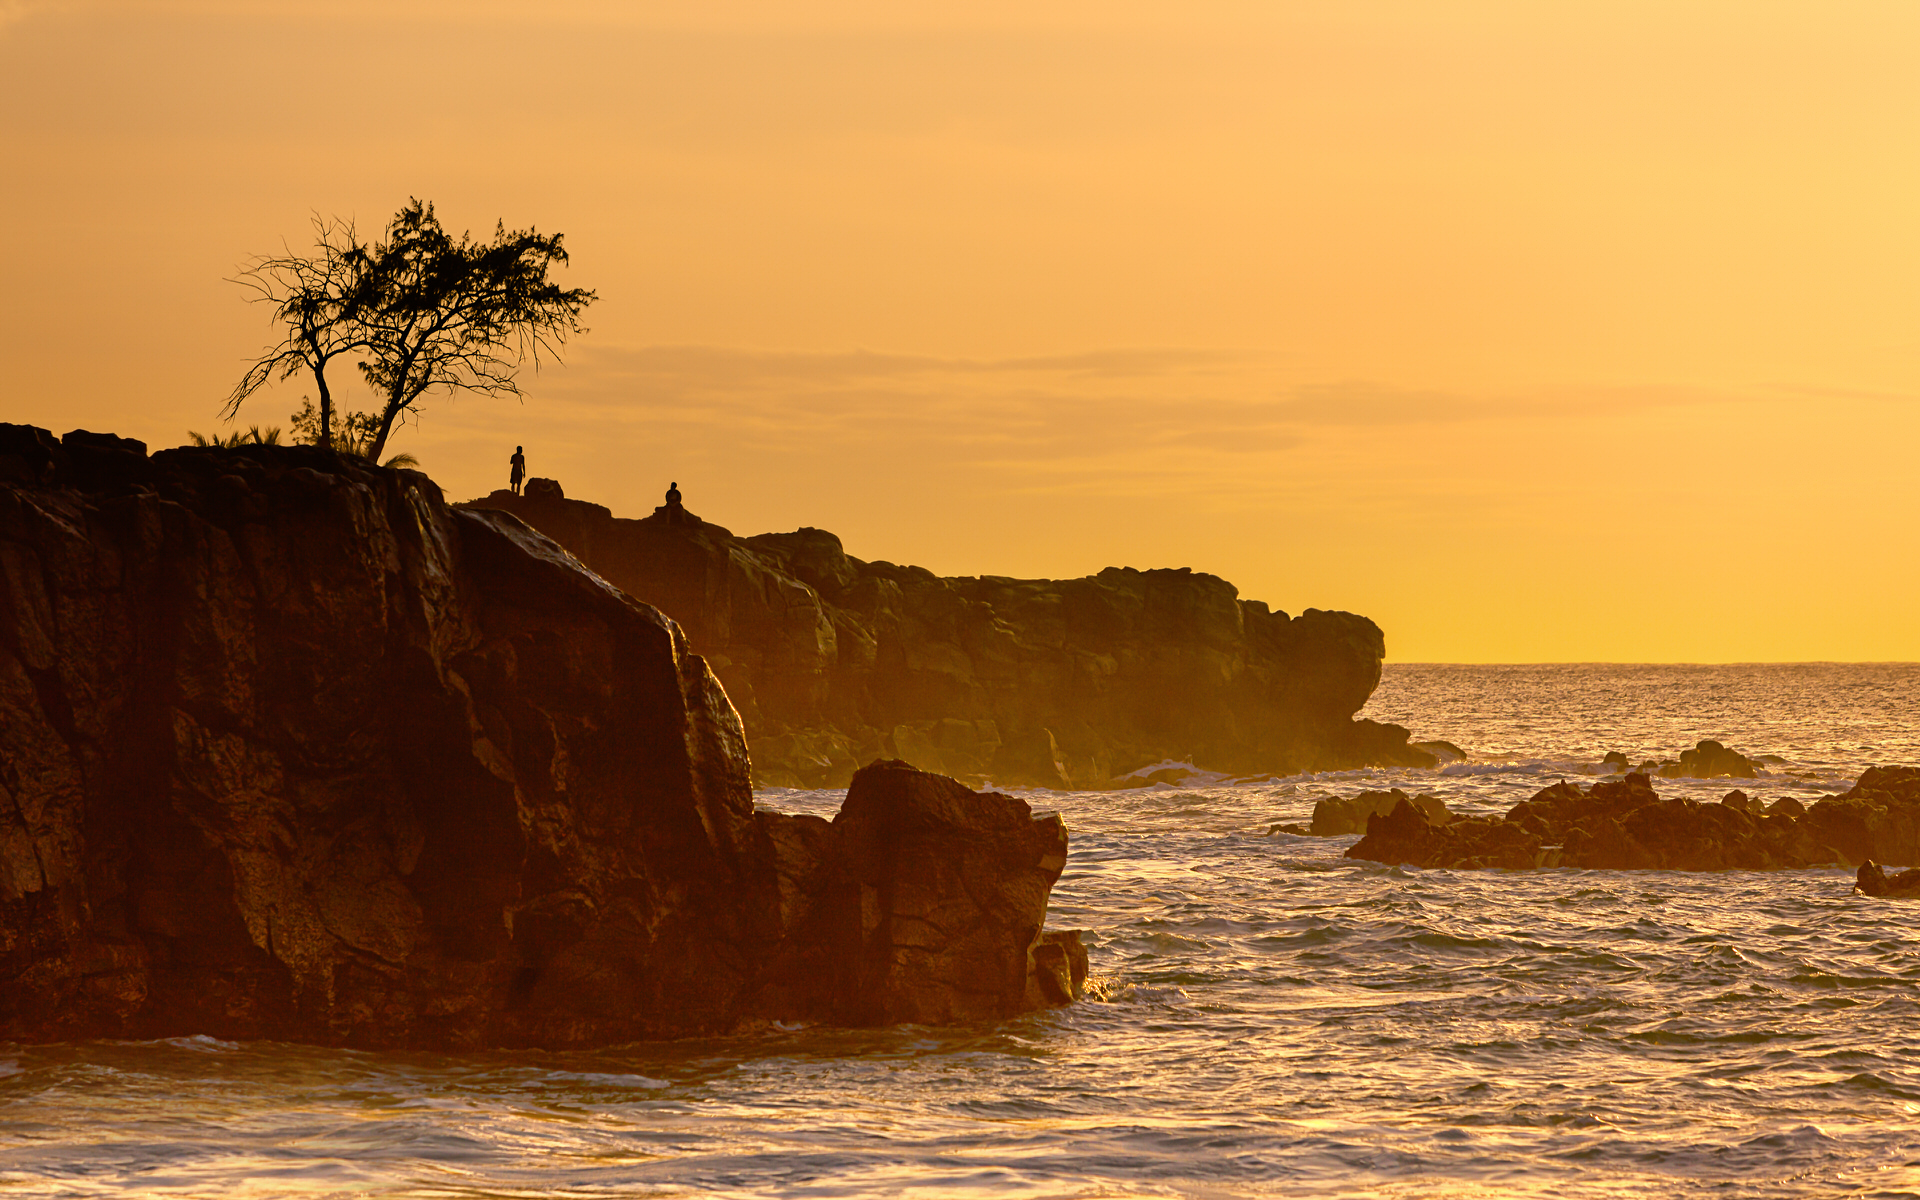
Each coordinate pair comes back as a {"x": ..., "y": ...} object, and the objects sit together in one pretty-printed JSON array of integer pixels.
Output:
[
  {"x": 290, "y": 749},
  {"x": 1624, "y": 825},
  {"x": 835, "y": 661}
]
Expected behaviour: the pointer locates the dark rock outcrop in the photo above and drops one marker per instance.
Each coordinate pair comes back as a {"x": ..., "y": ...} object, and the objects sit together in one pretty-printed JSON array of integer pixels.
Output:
[
  {"x": 1344, "y": 815},
  {"x": 1870, "y": 880},
  {"x": 291, "y": 749},
  {"x": 1711, "y": 760},
  {"x": 1624, "y": 825},
  {"x": 923, "y": 902},
  {"x": 834, "y": 661}
]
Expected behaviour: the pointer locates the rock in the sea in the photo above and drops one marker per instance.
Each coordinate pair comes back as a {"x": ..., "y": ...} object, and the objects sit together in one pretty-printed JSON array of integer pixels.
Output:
[
  {"x": 903, "y": 909},
  {"x": 290, "y": 749},
  {"x": 1616, "y": 761},
  {"x": 1443, "y": 751},
  {"x": 1871, "y": 880},
  {"x": 1623, "y": 824},
  {"x": 1711, "y": 760},
  {"x": 1336, "y": 816},
  {"x": 835, "y": 661}
]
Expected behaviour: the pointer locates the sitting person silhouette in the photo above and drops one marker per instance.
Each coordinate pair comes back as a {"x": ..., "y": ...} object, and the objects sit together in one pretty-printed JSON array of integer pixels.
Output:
[
  {"x": 519, "y": 461},
  {"x": 673, "y": 493}
]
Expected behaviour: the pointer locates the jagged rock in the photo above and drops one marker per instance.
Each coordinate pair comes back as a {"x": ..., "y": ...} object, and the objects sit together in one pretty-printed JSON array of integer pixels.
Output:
[
  {"x": 1336, "y": 816},
  {"x": 290, "y": 749},
  {"x": 903, "y": 909},
  {"x": 1120, "y": 670},
  {"x": 1624, "y": 825}
]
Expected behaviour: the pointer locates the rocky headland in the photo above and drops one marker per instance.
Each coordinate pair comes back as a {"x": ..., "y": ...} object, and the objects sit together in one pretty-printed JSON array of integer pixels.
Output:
[
  {"x": 1623, "y": 824},
  {"x": 834, "y": 661},
  {"x": 290, "y": 748}
]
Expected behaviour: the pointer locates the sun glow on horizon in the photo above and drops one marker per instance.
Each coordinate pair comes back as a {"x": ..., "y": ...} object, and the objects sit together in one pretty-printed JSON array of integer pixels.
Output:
[{"x": 1577, "y": 332}]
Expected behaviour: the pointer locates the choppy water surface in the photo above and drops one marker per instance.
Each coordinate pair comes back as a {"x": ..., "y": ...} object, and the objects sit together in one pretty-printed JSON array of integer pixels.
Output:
[{"x": 1270, "y": 1018}]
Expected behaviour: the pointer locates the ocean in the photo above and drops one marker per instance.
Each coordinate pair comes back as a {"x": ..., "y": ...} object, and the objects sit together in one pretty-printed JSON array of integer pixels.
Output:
[{"x": 1265, "y": 1018}]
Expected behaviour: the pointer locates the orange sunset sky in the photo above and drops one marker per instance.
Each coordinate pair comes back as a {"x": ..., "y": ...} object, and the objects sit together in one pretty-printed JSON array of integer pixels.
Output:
[{"x": 1534, "y": 331}]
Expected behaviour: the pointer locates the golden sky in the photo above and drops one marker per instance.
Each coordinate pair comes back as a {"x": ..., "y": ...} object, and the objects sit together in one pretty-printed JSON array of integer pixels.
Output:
[{"x": 1534, "y": 331}]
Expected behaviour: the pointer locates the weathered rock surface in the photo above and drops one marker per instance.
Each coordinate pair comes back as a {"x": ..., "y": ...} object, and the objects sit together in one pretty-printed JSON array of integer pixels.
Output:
[
  {"x": 921, "y": 902},
  {"x": 833, "y": 661},
  {"x": 291, "y": 749},
  {"x": 1624, "y": 825}
]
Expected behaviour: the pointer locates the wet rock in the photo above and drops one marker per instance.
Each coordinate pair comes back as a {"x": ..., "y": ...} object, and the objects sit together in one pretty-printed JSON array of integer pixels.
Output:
[
  {"x": 1616, "y": 761},
  {"x": 1871, "y": 880},
  {"x": 1786, "y": 806},
  {"x": 1289, "y": 827},
  {"x": 1444, "y": 752},
  {"x": 1624, "y": 825},
  {"x": 904, "y": 909},
  {"x": 1117, "y": 670},
  {"x": 1336, "y": 816},
  {"x": 1406, "y": 835},
  {"x": 1710, "y": 760},
  {"x": 290, "y": 749}
]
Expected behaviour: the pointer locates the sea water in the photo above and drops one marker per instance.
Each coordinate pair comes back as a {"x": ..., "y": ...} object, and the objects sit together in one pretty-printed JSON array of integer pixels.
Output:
[{"x": 1266, "y": 1017}]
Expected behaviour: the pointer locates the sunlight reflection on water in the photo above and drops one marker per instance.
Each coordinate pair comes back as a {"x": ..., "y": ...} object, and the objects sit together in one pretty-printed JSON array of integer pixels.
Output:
[{"x": 1269, "y": 1018}]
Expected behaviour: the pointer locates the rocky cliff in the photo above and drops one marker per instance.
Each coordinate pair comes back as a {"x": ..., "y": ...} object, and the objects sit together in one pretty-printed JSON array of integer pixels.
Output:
[
  {"x": 289, "y": 748},
  {"x": 834, "y": 661}
]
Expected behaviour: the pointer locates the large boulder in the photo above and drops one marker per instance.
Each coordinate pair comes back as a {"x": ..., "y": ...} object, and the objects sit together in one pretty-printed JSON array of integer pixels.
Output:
[
  {"x": 290, "y": 749},
  {"x": 922, "y": 901}
]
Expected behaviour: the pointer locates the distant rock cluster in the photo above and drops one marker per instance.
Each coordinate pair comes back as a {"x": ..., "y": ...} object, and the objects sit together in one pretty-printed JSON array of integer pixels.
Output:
[
  {"x": 1623, "y": 824},
  {"x": 834, "y": 661},
  {"x": 1707, "y": 760}
]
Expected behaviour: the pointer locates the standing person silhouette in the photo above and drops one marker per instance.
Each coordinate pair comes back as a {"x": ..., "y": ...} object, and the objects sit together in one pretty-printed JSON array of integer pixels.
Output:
[
  {"x": 519, "y": 461},
  {"x": 673, "y": 493}
]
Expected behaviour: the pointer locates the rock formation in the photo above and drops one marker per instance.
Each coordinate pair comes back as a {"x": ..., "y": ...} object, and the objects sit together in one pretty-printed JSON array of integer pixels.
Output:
[
  {"x": 1870, "y": 880},
  {"x": 834, "y": 661},
  {"x": 1623, "y": 825},
  {"x": 291, "y": 749},
  {"x": 1710, "y": 760},
  {"x": 1337, "y": 816}
]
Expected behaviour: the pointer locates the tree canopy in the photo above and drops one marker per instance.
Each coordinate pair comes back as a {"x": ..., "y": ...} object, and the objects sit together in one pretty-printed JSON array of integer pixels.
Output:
[{"x": 423, "y": 310}]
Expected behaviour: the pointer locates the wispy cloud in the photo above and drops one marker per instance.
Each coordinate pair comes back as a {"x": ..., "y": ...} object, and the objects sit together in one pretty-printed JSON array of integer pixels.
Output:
[{"x": 1136, "y": 422}]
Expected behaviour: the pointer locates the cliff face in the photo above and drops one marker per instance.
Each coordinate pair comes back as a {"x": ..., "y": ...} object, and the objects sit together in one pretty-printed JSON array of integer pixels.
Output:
[
  {"x": 834, "y": 661},
  {"x": 291, "y": 749}
]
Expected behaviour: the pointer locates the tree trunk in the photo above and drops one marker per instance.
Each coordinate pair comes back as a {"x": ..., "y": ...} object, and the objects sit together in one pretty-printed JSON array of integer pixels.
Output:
[{"x": 387, "y": 417}]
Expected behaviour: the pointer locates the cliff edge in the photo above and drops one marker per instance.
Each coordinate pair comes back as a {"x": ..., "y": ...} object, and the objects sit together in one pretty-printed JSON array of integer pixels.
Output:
[
  {"x": 291, "y": 749},
  {"x": 834, "y": 661}
]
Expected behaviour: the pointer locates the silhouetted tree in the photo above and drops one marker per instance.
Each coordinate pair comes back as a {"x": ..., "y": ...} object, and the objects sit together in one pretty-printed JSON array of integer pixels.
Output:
[
  {"x": 352, "y": 434},
  {"x": 426, "y": 310},
  {"x": 461, "y": 314},
  {"x": 323, "y": 300}
]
